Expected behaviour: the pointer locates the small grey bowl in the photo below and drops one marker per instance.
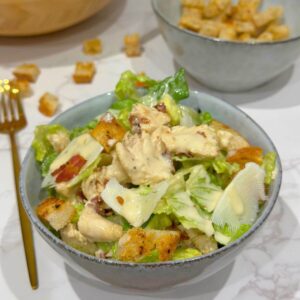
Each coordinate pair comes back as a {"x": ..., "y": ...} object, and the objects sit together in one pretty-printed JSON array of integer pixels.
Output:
[
  {"x": 225, "y": 65},
  {"x": 151, "y": 275}
]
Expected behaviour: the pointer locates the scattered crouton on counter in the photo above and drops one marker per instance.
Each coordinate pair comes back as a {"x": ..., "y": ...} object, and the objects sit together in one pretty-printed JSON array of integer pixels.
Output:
[
  {"x": 57, "y": 213},
  {"x": 28, "y": 72},
  {"x": 84, "y": 72},
  {"x": 48, "y": 104},
  {"x": 92, "y": 47},
  {"x": 23, "y": 86},
  {"x": 132, "y": 44}
]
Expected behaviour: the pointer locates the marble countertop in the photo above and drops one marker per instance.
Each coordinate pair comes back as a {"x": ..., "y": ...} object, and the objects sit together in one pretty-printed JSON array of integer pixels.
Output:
[{"x": 269, "y": 268}]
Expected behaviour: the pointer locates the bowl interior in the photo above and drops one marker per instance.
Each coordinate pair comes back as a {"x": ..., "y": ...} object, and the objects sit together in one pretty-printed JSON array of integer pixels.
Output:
[
  {"x": 170, "y": 10},
  {"x": 30, "y": 178}
]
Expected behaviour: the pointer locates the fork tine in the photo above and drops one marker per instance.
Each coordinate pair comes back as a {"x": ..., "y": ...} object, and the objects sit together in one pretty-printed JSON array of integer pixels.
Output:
[
  {"x": 3, "y": 108},
  {"x": 19, "y": 106},
  {"x": 11, "y": 107}
]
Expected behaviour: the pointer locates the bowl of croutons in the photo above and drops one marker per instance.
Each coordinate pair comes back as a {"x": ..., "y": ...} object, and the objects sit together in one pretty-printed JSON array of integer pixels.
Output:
[
  {"x": 35, "y": 17},
  {"x": 229, "y": 45}
]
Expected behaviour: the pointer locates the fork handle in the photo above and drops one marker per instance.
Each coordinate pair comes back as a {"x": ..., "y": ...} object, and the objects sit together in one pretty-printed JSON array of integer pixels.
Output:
[{"x": 24, "y": 221}]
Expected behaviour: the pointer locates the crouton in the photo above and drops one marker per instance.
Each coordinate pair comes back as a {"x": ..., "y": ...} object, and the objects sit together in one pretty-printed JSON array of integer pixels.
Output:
[
  {"x": 190, "y": 22},
  {"x": 108, "y": 132},
  {"x": 48, "y": 104},
  {"x": 137, "y": 243},
  {"x": 92, "y": 47},
  {"x": 132, "y": 45},
  {"x": 22, "y": 85},
  {"x": 57, "y": 213},
  {"x": 193, "y": 3},
  {"x": 28, "y": 72},
  {"x": 84, "y": 72}
]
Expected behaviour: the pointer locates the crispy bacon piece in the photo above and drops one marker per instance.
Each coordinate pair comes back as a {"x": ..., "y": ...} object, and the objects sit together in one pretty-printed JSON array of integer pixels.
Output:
[
  {"x": 245, "y": 155},
  {"x": 70, "y": 169}
]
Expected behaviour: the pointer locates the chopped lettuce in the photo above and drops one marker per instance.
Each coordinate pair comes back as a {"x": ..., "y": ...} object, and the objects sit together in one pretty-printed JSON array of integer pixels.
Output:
[
  {"x": 47, "y": 161},
  {"x": 176, "y": 86},
  {"x": 129, "y": 84},
  {"x": 172, "y": 108},
  {"x": 135, "y": 207},
  {"x": 187, "y": 213},
  {"x": 184, "y": 253},
  {"x": 78, "y": 210},
  {"x": 159, "y": 221},
  {"x": 41, "y": 144},
  {"x": 205, "y": 118},
  {"x": 153, "y": 256},
  {"x": 225, "y": 235},
  {"x": 201, "y": 190},
  {"x": 77, "y": 131},
  {"x": 269, "y": 164},
  {"x": 163, "y": 207}
]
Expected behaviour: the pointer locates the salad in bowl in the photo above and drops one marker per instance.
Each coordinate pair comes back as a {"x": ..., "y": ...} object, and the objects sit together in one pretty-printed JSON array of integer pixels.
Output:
[{"x": 150, "y": 180}]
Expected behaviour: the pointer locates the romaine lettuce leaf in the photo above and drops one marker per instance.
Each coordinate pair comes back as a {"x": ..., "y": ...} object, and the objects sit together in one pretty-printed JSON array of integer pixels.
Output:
[
  {"x": 172, "y": 108},
  {"x": 41, "y": 144},
  {"x": 78, "y": 210},
  {"x": 201, "y": 190},
  {"x": 47, "y": 161},
  {"x": 133, "y": 205},
  {"x": 159, "y": 222},
  {"x": 153, "y": 256},
  {"x": 184, "y": 253},
  {"x": 225, "y": 235},
  {"x": 77, "y": 131},
  {"x": 188, "y": 215},
  {"x": 269, "y": 164}
]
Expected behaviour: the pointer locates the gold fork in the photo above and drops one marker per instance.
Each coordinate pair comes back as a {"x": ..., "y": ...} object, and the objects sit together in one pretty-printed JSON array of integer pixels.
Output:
[{"x": 12, "y": 120}]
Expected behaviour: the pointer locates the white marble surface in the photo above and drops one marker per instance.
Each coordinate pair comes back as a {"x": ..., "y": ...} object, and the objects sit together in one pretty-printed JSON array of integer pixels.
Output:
[{"x": 269, "y": 268}]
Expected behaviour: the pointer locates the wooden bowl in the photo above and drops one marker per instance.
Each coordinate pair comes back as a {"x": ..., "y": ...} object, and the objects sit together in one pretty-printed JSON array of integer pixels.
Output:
[{"x": 35, "y": 17}]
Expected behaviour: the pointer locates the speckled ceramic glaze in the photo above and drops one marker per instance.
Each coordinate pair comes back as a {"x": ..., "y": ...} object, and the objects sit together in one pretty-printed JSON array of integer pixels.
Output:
[
  {"x": 151, "y": 275},
  {"x": 224, "y": 65}
]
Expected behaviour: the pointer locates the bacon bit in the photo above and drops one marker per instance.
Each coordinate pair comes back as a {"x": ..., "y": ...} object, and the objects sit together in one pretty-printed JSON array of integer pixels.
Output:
[
  {"x": 161, "y": 107},
  {"x": 120, "y": 200},
  {"x": 141, "y": 84},
  {"x": 70, "y": 169}
]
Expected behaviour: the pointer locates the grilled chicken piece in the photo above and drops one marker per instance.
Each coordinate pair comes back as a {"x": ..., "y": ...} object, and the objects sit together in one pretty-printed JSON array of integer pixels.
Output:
[
  {"x": 137, "y": 243},
  {"x": 143, "y": 160},
  {"x": 146, "y": 118},
  {"x": 71, "y": 236},
  {"x": 56, "y": 212},
  {"x": 96, "y": 228}
]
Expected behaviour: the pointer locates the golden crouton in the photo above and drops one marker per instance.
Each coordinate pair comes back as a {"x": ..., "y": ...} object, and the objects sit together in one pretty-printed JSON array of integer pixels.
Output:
[
  {"x": 279, "y": 32},
  {"x": 193, "y": 3},
  {"x": 132, "y": 44},
  {"x": 57, "y": 213},
  {"x": 269, "y": 15},
  {"x": 28, "y": 72},
  {"x": 48, "y": 104},
  {"x": 265, "y": 37},
  {"x": 191, "y": 12},
  {"x": 84, "y": 72},
  {"x": 22, "y": 85},
  {"x": 190, "y": 22},
  {"x": 92, "y": 47},
  {"x": 227, "y": 32},
  {"x": 245, "y": 9},
  {"x": 108, "y": 132},
  {"x": 137, "y": 243},
  {"x": 245, "y": 155},
  {"x": 245, "y": 37},
  {"x": 244, "y": 27},
  {"x": 210, "y": 28}
]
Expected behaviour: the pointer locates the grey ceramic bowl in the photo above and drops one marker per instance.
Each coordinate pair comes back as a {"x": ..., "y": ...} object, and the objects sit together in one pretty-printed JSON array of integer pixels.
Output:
[
  {"x": 151, "y": 275},
  {"x": 224, "y": 65}
]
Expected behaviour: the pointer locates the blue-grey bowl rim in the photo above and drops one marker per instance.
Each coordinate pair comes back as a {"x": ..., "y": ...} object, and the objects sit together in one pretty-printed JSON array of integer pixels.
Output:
[
  {"x": 222, "y": 41},
  {"x": 261, "y": 219}
]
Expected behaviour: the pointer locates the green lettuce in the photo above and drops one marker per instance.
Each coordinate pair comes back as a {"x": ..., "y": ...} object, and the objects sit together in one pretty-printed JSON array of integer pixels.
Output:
[
  {"x": 202, "y": 191},
  {"x": 41, "y": 144},
  {"x": 205, "y": 118},
  {"x": 78, "y": 210},
  {"x": 159, "y": 222},
  {"x": 77, "y": 131},
  {"x": 118, "y": 219},
  {"x": 129, "y": 84},
  {"x": 184, "y": 253},
  {"x": 225, "y": 235},
  {"x": 269, "y": 165},
  {"x": 47, "y": 161},
  {"x": 107, "y": 247},
  {"x": 153, "y": 256},
  {"x": 188, "y": 214},
  {"x": 172, "y": 108}
]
